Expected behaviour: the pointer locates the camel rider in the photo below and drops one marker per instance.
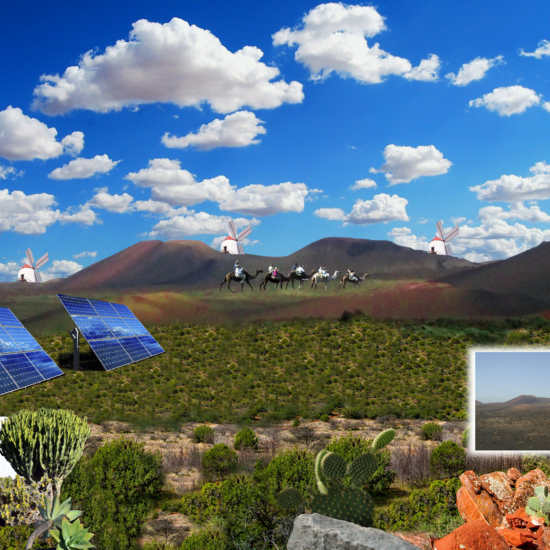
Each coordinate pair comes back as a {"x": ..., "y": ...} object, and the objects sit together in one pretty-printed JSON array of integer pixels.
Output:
[
  {"x": 238, "y": 271},
  {"x": 275, "y": 273},
  {"x": 352, "y": 276},
  {"x": 271, "y": 269},
  {"x": 295, "y": 266},
  {"x": 323, "y": 272},
  {"x": 300, "y": 270}
]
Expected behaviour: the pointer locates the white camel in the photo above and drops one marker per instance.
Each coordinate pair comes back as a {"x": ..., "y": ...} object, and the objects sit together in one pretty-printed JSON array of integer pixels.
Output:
[{"x": 318, "y": 278}]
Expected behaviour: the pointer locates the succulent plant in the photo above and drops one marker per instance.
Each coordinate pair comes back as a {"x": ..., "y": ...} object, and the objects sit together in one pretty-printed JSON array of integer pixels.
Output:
[
  {"x": 539, "y": 505},
  {"x": 72, "y": 536},
  {"x": 335, "y": 500}
]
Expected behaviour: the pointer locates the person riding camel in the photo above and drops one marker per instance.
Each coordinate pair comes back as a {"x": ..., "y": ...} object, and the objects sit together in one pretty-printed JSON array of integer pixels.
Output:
[
  {"x": 295, "y": 266},
  {"x": 352, "y": 276},
  {"x": 271, "y": 269},
  {"x": 238, "y": 271},
  {"x": 323, "y": 272},
  {"x": 300, "y": 270},
  {"x": 275, "y": 273}
]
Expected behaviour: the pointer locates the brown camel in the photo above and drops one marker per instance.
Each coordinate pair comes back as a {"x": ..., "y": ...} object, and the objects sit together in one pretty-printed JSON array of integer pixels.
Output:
[
  {"x": 268, "y": 278},
  {"x": 293, "y": 276},
  {"x": 346, "y": 279},
  {"x": 246, "y": 279}
]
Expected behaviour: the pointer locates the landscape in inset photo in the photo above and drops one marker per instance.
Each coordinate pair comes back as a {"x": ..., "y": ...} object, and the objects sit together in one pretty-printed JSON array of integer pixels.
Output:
[{"x": 512, "y": 400}]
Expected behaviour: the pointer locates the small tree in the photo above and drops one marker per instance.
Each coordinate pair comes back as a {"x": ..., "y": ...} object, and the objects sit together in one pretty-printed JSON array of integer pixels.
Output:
[
  {"x": 43, "y": 443},
  {"x": 246, "y": 438},
  {"x": 307, "y": 436}
]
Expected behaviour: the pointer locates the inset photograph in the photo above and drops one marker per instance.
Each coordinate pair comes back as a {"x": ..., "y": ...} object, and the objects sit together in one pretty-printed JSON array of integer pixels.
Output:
[{"x": 511, "y": 389}]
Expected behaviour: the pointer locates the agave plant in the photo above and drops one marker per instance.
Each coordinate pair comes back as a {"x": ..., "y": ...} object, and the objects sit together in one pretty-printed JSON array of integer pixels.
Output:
[{"x": 72, "y": 536}]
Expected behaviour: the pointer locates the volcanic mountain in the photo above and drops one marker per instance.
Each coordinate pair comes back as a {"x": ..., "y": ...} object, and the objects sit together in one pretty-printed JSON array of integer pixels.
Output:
[{"x": 520, "y": 403}]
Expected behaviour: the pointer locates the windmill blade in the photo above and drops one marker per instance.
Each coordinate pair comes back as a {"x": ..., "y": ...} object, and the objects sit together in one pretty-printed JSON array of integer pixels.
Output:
[
  {"x": 232, "y": 229},
  {"x": 42, "y": 261},
  {"x": 30, "y": 257},
  {"x": 37, "y": 277},
  {"x": 240, "y": 248},
  {"x": 452, "y": 233},
  {"x": 439, "y": 226},
  {"x": 244, "y": 233},
  {"x": 448, "y": 249}
]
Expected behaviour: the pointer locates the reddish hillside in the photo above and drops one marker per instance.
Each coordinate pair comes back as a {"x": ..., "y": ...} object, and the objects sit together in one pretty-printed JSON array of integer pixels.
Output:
[{"x": 521, "y": 400}]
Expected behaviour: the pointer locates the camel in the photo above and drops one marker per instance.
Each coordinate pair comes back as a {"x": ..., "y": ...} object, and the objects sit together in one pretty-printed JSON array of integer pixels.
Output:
[
  {"x": 346, "y": 279},
  {"x": 246, "y": 279},
  {"x": 269, "y": 279},
  {"x": 318, "y": 278},
  {"x": 293, "y": 276}
]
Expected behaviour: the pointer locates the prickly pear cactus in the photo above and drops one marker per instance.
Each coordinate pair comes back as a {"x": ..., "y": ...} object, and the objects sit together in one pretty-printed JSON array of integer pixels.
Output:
[
  {"x": 334, "y": 500},
  {"x": 539, "y": 505}
]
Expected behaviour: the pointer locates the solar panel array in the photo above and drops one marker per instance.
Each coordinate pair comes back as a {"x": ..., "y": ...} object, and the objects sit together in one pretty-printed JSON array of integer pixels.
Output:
[
  {"x": 112, "y": 330},
  {"x": 23, "y": 362}
]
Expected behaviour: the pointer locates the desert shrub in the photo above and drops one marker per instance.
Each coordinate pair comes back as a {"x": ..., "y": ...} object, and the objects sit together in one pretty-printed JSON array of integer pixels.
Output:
[
  {"x": 412, "y": 464},
  {"x": 14, "y": 537},
  {"x": 19, "y": 501},
  {"x": 531, "y": 462},
  {"x": 448, "y": 459},
  {"x": 115, "y": 490},
  {"x": 423, "y": 507},
  {"x": 203, "y": 434},
  {"x": 351, "y": 446},
  {"x": 156, "y": 544},
  {"x": 324, "y": 418},
  {"x": 207, "y": 539},
  {"x": 296, "y": 423},
  {"x": 218, "y": 460},
  {"x": 353, "y": 413},
  {"x": 432, "y": 431},
  {"x": 465, "y": 437},
  {"x": 246, "y": 438}
]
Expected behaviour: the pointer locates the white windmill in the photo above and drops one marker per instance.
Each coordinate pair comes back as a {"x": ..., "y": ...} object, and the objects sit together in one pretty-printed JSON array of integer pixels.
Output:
[
  {"x": 440, "y": 243},
  {"x": 232, "y": 243},
  {"x": 29, "y": 270}
]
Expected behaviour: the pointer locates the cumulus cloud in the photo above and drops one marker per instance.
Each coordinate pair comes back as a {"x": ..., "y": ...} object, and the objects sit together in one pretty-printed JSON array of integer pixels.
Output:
[
  {"x": 404, "y": 164},
  {"x": 26, "y": 138},
  {"x": 382, "y": 208},
  {"x": 239, "y": 129},
  {"x": 516, "y": 210},
  {"x": 474, "y": 70},
  {"x": 200, "y": 223},
  {"x": 512, "y": 100},
  {"x": 33, "y": 214},
  {"x": 85, "y": 254},
  {"x": 60, "y": 269},
  {"x": 9, "y": 172},
  {"x": 546, "y": 106},
  {"x": 363, "y": 184},
  {"x": 266, "y": 200},
  {"x": 543, "y": 50},
  {"x": 9, "y": 271},
  {"x": 513, "y": 188},
  {"x": 112, "y": 203},
  {"x": 330, "y": 213},
  {"x": 82, "y": 168},
  {"x": 173, "y": 62},
  {"x": 403, "y": 236},
  {"x": 332, "y": 38}
]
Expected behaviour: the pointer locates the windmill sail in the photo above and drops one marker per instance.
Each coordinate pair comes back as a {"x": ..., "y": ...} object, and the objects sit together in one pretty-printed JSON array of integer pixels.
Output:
[
  {"x": 42, "y": 261},
  {"x": 30, "y": 257},
  {"x": 233, "y": 229},
  {"x": 440, "y": 244},
  {"x": 38, "y": 277},
  {"x": 439, "y": 226},
  {"x": 244, "y": 233}
]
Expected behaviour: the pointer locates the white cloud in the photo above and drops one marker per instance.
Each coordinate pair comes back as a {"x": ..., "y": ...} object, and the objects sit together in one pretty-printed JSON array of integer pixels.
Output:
[
  {"x": 9, "y": 171},
  {"x": 546, "y": 106},
  {"x": 330, "y": 213},
  {"x": 33, "y": 214},
  {"x": 516, "y": 210},
  {"x": 85, "y": 254},
  {"x": 543, "y": 50},
  {"x": 403, "y": 164},
  {"x": 239, "y": 129},
  {"x": 513, "y": 188},
  {"x": 332, "y": 39},
  {"x": 82, "y": 168},
  {"x": 8, "y": 272},
  {"x": 266, "y": 200},
  {"x": 363, "y": 184},
  {"x": 382, "y": 208},
  {"x": 112, "y": 203},
  {"x": 60, "y": 269},
  {"x": 474, "y": 70},
  {"x": 173, "y": 62},
  {"x": 200, "y": 223},
  {"x": 512, "y": 100},
  {"x": 403, "y": 236},
  {"x": 26, "y": 138},
  {"x": 155, "y": 207}
]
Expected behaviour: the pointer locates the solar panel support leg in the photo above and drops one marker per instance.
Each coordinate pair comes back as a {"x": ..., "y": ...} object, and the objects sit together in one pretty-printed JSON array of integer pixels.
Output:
[{"x": 76, "y": 350}]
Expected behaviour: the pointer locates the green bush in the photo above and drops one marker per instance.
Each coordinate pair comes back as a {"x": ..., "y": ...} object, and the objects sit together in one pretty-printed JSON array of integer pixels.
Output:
[
  {"x": 324, "y": 418},
  {"x": 203, "y": 434},
  {"x": 432, "y": 431},
  {"x": 156, "y": 544},
  {"x": 246, "y": 438},
  {"x": 351, "y": 446},
  {"x": 448, "y": 459},
  {"x": 207, "y": 539},
  {"x": 218, "y": 460},
  {"x": 465, "y": 437},
  {"x": 531, "y": 462},
  {"x": 15, "y": 538},
  {"x": 115, "y": 490},
  {"x": 19, "y": 501},
  {"x": 296, "y": 423},
  {"x": 353, "y": 413}
]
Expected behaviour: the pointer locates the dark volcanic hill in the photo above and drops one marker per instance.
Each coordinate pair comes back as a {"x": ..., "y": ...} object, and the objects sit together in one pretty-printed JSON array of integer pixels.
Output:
[
  {"x": 526, "y": 274},
  {"x": 520, "y": 403},
  {"x": 195, "y": 265}
]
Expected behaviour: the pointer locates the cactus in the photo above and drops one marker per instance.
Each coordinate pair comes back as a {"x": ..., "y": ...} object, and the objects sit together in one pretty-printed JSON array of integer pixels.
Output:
[
  {"x": 44, "y": 442},
  {"x": 539, "y": 505},
  {"x": 334, "y": 499}
]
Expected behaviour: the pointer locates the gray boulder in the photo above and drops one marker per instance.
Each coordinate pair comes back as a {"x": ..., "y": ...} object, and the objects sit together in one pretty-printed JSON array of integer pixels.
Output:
[{"x": 317, "y": 532}]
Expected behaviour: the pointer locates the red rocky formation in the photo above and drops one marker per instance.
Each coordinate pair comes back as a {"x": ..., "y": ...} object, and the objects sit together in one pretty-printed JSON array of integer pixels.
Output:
[
  {"x": 476, "y": 535},
  {"x": 474, "y": 502},
  {"x": 499, "y": 486},
  {"x": 525, "y": 487},
  {"x": 514, "y": 474}
]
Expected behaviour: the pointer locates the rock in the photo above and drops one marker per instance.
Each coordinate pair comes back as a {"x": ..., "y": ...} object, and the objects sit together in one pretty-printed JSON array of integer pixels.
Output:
[
  {"x": 499, "y": 486},
  {"x": 476, "y": 535},
  {"x": 525, "y": 487},
  {"x": 514, "y": 474},
  {"x": 475, "y": 497},
  {"x": 517, "y": 537},
  {"x": 317, "y": 532}
]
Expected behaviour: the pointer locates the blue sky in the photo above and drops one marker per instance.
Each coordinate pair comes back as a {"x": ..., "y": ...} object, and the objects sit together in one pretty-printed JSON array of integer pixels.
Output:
[
  {"x": 501, "y": 376},
  {"x": 121, "y": 122}
]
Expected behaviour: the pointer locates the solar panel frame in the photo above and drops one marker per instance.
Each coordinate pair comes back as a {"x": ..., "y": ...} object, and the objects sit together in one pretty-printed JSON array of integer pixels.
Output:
[{"x": 23, "y": 362}]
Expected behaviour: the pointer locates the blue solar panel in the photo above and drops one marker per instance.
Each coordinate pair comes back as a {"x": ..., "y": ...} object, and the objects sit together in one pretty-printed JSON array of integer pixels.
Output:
[
  {"x": 152, "y": 346},
  {"x": 124, "y": 311},
  {"x": 134, "y": 348},
  {"x": 77, "y": 306},
  {"x": 118, "y": 327},
  {"x": 104, "y": 309},
  {"x": 92, "y": 328},
  {"x": 110, "y": 353},
  {"x": 17, "y": 369},
  {"x": 136, "y": 327}
]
